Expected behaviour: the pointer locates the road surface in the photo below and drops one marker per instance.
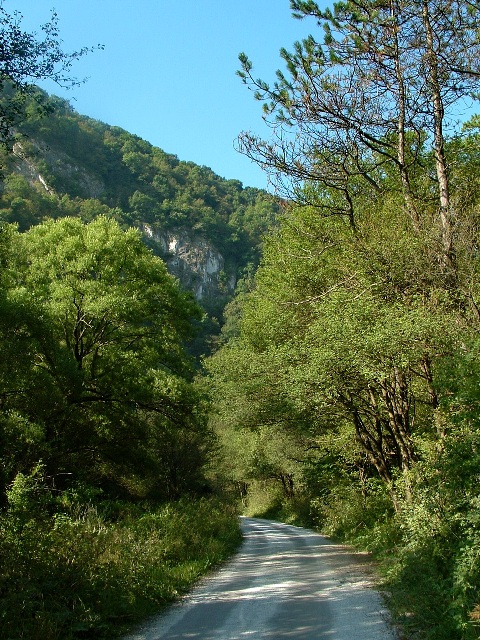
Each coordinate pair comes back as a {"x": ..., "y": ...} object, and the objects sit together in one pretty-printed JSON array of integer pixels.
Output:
[{"x": 285, "y": 583}]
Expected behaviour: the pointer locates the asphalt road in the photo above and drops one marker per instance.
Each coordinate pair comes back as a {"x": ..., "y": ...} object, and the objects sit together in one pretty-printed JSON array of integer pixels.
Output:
[{"x": 285, "y": 583}]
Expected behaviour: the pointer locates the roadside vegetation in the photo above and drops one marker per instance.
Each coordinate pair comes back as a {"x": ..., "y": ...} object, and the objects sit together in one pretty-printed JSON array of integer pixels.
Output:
[
  {"x": 346, "y": 392},
  {"x": 106, "y": 509},
  {"x": 94, "y": 570}
]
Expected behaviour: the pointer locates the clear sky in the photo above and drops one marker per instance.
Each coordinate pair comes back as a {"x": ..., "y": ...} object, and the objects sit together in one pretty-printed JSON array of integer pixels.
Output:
[{"x": 167, "y": 73}]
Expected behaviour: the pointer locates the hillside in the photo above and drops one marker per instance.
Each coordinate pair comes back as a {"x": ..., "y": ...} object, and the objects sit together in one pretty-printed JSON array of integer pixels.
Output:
[{"x": 206, "y": 228}]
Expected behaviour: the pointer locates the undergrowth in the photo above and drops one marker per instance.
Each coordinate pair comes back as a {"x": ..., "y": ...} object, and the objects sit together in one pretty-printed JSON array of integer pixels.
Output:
[{"x": 86, "y": 575}]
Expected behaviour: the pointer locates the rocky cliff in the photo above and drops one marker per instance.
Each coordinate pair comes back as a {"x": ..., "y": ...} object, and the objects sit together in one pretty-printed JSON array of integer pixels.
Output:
[{"x": 198, "y": 265}]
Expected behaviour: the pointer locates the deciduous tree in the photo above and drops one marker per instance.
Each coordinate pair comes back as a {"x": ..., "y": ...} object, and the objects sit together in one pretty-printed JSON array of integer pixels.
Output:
[
  {"x": 28, "y": 58},
  {"x": 104, "y": 367}
]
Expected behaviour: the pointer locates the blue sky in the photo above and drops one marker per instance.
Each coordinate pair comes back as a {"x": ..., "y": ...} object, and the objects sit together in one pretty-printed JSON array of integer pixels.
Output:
[{"x": 167, "y": 73}]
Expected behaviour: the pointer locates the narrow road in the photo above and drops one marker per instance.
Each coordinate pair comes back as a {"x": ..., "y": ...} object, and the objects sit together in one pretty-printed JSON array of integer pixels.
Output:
[{"x": 285, "y": 582}]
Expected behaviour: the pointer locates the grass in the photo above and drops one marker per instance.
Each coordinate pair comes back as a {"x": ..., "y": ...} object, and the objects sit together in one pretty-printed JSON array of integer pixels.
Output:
[{"x": 69, "y": 577}]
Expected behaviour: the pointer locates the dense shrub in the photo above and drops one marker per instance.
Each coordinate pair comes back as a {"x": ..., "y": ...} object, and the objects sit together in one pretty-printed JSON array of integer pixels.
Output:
[{"x": 79, "y": 574}]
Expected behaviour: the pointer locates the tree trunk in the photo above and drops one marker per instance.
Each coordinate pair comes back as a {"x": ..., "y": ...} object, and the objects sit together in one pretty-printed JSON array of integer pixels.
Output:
[
  {"x": 397, "y": 403},
  {"x": 439, "y": 140},
  {"x": 402, "y": 108}
]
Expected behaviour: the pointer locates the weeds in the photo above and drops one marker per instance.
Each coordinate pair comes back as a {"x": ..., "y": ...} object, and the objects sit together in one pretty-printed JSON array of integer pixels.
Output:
[{"x": 85, "y": 576}]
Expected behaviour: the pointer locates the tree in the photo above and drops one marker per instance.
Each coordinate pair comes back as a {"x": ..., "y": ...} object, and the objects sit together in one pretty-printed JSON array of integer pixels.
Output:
[
  {"x": 103, "y": 375},
  {"x": 367, "y": 98},
  {"x": 26, "y": 58},
  {"x": 344, "y": 332}
]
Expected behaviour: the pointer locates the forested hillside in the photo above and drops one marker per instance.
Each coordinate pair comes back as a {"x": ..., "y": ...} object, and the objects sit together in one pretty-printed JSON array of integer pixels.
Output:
[{"x": 67, "y": 164}]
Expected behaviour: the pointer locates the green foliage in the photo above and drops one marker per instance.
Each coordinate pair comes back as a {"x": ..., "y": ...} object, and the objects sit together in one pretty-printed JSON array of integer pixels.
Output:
[
  {"x": 339, "y": 328},
  {"x": 433, "y": 572},
  {"x": 95, "y": 379},
  {"x": 345, "y": 389},
  {"x": 24, "y": 495},
  {"x": 81, "y": 574}
]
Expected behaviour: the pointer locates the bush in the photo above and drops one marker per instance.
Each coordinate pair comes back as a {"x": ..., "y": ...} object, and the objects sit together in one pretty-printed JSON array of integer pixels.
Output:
[
  {"x": 354, "y": 514},
  {"x": 71, "y": 577},
  {"x": 433, "y": 572}
]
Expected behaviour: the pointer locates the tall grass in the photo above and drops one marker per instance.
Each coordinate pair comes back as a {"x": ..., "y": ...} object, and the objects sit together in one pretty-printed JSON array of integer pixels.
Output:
[{"x": 85, "y": 576}]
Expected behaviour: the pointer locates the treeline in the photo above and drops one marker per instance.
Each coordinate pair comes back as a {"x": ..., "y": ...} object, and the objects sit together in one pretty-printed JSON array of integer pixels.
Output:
[{"x": 346, "y": 392}]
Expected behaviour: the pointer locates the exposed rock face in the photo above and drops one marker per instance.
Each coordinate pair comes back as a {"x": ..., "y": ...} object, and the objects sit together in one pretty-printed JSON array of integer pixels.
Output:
[
  {"x": 87, "y": 184},
  {"x": 26, "y": 167},
  {"x": 193, "y": 260}
]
